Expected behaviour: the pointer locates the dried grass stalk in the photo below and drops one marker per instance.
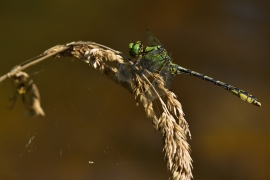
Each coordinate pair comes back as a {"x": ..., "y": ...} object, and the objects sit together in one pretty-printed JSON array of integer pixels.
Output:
[
  {"x": 160, "y": 104},
  {"x": 169, "y": 119}
]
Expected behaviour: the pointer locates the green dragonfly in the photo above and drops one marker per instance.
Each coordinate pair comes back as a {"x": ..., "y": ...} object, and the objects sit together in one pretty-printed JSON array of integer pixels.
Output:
[{"x": 156, "y": 59}]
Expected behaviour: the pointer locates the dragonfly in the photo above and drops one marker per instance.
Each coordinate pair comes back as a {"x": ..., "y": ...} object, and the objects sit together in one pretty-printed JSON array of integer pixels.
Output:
[{"x": 155, "y": 58}]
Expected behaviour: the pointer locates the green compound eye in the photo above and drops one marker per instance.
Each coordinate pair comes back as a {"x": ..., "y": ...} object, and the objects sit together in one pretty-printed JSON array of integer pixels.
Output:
[
  {"x": 130, "y": 46},
  {"x": 135, "y": 48}
]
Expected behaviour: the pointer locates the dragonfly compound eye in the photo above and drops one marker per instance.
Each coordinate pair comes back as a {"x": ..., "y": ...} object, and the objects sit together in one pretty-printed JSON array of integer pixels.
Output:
[{"x": 135, "y": 49}]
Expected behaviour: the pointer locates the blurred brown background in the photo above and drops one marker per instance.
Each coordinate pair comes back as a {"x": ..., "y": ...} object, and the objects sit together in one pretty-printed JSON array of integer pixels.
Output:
[{"x": 91, "y": 119}]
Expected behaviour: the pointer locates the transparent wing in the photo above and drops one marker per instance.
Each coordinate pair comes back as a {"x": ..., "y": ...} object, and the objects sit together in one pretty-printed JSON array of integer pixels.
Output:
[
  {"x": 154, "y": 65},
  {"x": 151, "y": 39},
  {"x": 156, "y": 62}
]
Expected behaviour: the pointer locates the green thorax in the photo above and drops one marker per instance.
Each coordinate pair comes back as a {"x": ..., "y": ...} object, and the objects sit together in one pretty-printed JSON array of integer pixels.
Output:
[{"x": 153, "y": 58}]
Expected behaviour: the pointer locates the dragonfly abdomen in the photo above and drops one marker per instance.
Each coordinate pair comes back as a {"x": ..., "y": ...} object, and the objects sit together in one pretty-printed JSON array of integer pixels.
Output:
[{"x": 175, "y": 69}]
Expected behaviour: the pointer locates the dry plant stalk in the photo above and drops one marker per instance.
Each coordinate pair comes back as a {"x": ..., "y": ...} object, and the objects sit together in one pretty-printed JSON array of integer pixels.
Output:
[{"x": 160, "y": 104}]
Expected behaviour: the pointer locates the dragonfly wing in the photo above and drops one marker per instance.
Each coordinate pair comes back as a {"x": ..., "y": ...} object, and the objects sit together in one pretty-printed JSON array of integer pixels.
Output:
[
  {"x": 154, "y": 65},
  {"x": 151, "y": 39}
]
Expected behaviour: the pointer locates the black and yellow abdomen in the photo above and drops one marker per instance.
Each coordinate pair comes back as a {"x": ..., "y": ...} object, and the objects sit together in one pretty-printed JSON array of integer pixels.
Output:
[{"x": 175, "y": 69}]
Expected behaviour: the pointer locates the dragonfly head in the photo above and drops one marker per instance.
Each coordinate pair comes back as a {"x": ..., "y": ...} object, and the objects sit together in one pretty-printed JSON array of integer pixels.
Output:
[{"x": 135, "y": 49}]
